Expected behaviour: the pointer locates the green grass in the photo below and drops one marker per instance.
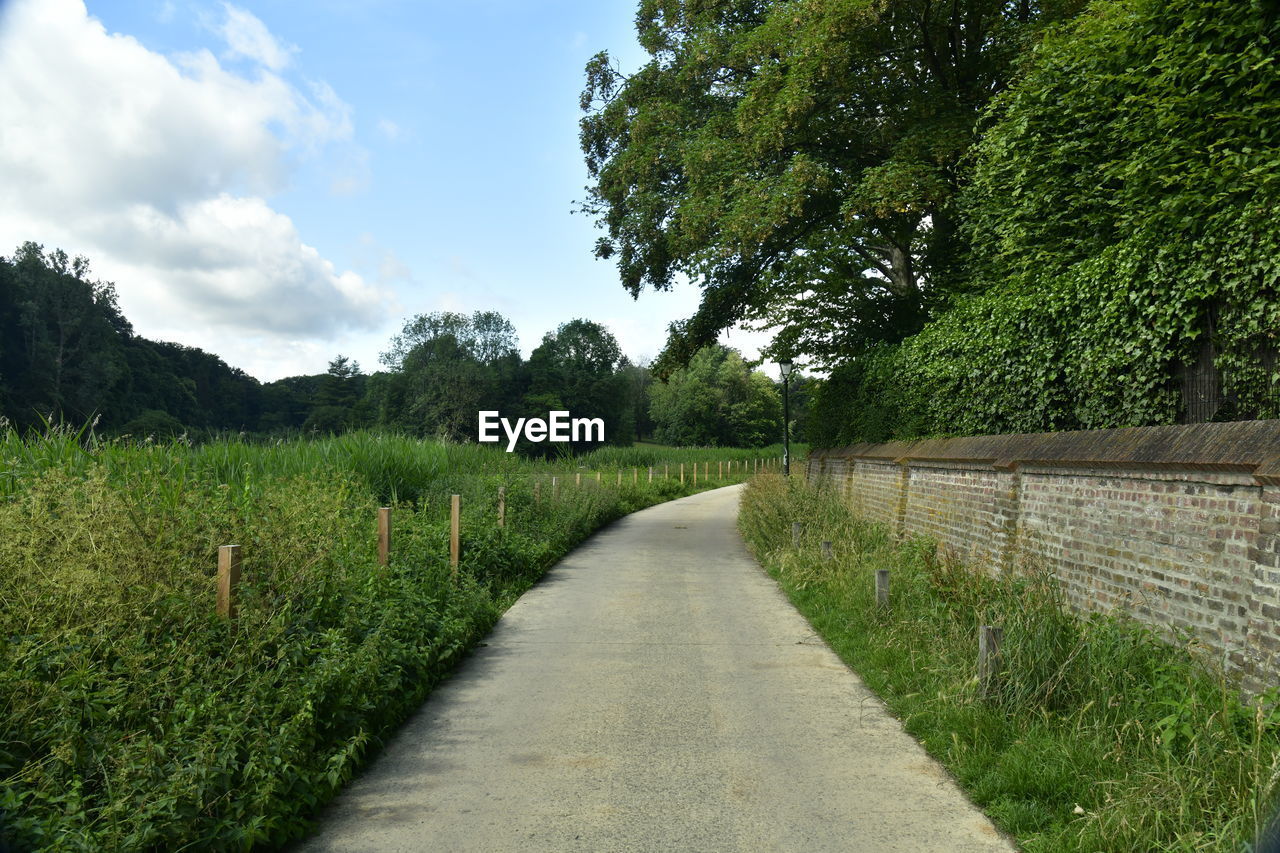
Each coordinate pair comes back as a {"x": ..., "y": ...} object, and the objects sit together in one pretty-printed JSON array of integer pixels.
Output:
[
  {"x": 1099, "y": 736},
  {"x": 132, "y": 718}
]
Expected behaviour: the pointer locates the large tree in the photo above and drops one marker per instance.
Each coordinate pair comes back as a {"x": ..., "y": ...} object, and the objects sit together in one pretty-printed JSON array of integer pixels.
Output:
[
  {"x": 797, "y": 159},
  {"x": 716, "y": 401},
  {"x": 579, "y": 368}
]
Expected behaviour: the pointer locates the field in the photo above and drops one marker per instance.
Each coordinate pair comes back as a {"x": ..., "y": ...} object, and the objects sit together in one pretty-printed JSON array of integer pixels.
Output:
[
  {"x": 1098, "y": 734},
  {"x": 133, "y": 717}
]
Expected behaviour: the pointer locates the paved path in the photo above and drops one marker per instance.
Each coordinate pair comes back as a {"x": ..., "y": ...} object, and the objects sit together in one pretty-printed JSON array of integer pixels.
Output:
[{"x": 654, "y": 692}]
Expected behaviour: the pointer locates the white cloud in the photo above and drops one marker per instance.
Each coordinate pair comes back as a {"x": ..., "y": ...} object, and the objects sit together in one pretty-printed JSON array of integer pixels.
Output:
[
  {"x": 248, "y": 37},
  {"x": 158, "y": 168},
  {"x": 389, "y": 129}
]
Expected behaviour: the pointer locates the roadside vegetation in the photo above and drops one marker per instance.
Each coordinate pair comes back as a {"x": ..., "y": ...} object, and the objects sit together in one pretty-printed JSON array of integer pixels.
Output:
[
  {"x": 1099, "y": 735},
  {"x": 133, "y": 718}
]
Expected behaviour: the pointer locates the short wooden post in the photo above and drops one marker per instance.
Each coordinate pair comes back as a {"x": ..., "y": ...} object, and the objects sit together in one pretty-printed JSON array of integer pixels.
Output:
[
  {"x": 455, "y": 539},
  {"x": 537, "y": 491},
  {"x": 502, "y": 506},
  {"x": 635, "y": 476},
  {"x": 384, "y": 535},
  {"x": 706, "y": 471},
  {"x": 577, "y": 479},
  {"x": 597, "y": 478},
  {"x": 555, "y": 488},
  {"x": 650, "y": 473},
  {"x": 695, "y": 475},
  {"x": 795, "y": 534},
  {"x": 882, "y": 588},
  {"x": 228, "y": 579},
  {"x": 619, "y": 478},
  {"x": 989, "y": 662},
  {"x": 666, "y": 471},
  {"x": 826, "y": 551},
  {"x": 682, "y": 473},
  {"x": 720, "y": 470}
]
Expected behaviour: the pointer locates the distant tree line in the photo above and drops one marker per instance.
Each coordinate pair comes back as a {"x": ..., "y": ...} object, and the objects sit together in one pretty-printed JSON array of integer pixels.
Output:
[{"x": 67, "y": 353}]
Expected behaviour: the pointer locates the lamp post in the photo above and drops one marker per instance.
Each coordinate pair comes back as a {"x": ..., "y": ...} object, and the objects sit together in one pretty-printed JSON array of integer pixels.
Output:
[{"x": 785, "y": 367}]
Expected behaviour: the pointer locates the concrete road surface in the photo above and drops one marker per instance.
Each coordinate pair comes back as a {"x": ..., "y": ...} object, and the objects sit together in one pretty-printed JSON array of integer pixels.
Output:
[{"x": 655, "y": 692}]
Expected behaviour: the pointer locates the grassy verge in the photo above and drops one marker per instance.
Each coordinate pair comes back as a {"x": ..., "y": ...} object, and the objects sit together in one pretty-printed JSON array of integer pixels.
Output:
[
  {"x": 132, "y": 718},
  {"x": 1100, "y": 736}
]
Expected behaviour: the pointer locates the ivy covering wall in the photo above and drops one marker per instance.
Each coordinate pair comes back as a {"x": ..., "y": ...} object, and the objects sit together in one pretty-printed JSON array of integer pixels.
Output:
[{"x": 1121, "y": 208}]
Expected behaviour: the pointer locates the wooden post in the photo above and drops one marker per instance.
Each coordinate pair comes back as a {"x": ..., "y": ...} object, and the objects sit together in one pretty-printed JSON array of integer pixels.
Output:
[
  {"x": 555, "y": 488},
  {"x": 455, "y": 542},
  {"x": 682, "y": 473},
  {"x": 882, "y": 587},
  {"x": 695, "y": 475},
  {"x": 795, "y": 534},
  {"x": 666, "y": 471},
  {"x": 619, "y": 478},
  {"x": 635, "y": 476},
  {"x": 502, "y": 506},
  {"x": 384, "y": 535},
  {"x": 597, "y": 478},
  {"x": 577, "y": 479},
  {"x": 537, "y": 491},
  {"x": 706, "y": 471},
  {"x": 989, "y": 663},
  {"x": 826, "y": 551},
  {"x": 720, "y": 470},
  {"x": 228, "y": 579},
  {"x": 650, "y": 473}
]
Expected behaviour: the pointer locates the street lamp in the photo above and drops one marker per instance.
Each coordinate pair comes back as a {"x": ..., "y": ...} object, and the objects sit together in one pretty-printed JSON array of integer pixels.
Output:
[{"x": 785, "y": 367}]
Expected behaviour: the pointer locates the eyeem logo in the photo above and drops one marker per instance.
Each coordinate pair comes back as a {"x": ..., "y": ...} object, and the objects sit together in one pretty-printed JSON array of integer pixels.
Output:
[{"x": 558, "y": 427}]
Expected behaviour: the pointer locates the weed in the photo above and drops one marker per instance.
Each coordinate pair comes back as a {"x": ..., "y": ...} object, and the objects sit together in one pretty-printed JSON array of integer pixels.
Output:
[{"x": 1100, "y": 735}]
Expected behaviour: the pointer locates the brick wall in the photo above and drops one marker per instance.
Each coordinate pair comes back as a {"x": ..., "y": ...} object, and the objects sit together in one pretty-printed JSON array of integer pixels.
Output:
[{"x": 1180, "y": 526}]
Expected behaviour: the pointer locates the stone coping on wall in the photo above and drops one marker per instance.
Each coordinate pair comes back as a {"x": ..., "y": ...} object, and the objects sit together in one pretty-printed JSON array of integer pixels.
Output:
[{"x": 1247, "y": 446}]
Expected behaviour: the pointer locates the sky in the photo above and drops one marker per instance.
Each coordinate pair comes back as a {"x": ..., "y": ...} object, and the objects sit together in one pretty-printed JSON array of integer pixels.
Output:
[{"x": 283, "y": 182}]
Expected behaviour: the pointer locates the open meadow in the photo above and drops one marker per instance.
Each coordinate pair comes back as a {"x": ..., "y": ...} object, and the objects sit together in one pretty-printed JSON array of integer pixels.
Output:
[{"x": 134, "y": 717}]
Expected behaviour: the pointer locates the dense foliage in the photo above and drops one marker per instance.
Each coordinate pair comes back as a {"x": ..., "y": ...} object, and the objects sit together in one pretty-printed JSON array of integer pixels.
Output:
[
  {"x": 1099, "y": 735},
  {"x": 716, "y": 401},
  {"x": 65, "y": 349},
  {"x": 798, "y": 159},
  {"x": 1123, "y": 221},
  {"x": 132, "y": 718}
]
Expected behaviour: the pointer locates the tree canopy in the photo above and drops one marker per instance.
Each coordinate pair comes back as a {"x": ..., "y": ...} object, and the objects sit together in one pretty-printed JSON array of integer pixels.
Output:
[
  {"x": 1124, "y": 239},
  {"x": 717, "y": 400},
  {"x": 797, "y": 159}
]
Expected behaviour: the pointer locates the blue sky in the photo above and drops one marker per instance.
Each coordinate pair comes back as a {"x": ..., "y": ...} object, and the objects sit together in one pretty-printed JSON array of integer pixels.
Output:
[{"x": 280, "y": 182}]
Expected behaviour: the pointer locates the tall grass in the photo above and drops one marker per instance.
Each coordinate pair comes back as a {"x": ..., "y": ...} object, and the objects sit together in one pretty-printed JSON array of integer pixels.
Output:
[
  {"x": 133, "y": 719},
  {"x": 1101, "y": 735}
]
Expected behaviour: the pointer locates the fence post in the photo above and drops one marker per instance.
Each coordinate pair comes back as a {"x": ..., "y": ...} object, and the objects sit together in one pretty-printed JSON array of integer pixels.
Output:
[
  {"x": 577, "y": 479},
  {"x": 682, "y": 473},
  {"x": 882, "y": 588},
  {"x": 666, "y": 470},
  {"x": 597, "y": 478},
  {"x": 650, "y": 473},
  {"x": 555, "y": 488},
  {"x": 228, "y": 579},
  {"x": 635, "y": 476},
  {"x": 455, "y": 543},
  {"x": 720, "y": 470},
  {"x": 795, "y": 534},
  {"x": 502, "y": 506},
  {"x": 537, "y": 491},
  {"x": 619, "y": 478},
  {"x": 384, "y": 535},
  {"x": 989, "y": 663}
]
